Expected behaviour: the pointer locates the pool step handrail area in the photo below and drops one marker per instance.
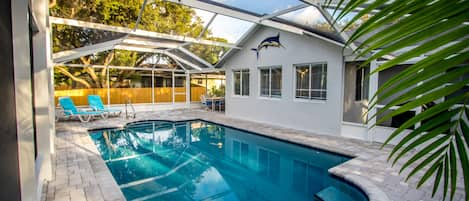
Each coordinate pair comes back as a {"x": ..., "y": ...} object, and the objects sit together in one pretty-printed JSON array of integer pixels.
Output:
[{"x": 129, "y": 114}]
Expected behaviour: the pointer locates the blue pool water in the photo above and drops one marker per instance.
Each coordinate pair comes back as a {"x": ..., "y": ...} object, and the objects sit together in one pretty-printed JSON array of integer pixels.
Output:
[{"x": 198, "y": 160}]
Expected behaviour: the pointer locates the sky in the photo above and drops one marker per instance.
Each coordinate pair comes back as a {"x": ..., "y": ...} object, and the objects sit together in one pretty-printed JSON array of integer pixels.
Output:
[
  {"x": 225, "y": 27},
  {"x": 232, "y": 29},
  {"x": 306, "y": 16},
  {"x": 261, "y": 6}
]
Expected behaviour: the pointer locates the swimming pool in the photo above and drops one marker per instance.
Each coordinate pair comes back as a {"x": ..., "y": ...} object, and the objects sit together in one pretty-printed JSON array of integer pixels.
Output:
[{"x": 199, "y": 160}]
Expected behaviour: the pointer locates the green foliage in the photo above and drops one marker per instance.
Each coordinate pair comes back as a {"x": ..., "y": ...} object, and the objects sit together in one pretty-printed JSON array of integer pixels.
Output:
[
  {"x": 158, "y": 16},
  {"x": 435, "y": 29},
  {"x": 210, "y": 54},
  {"x": 217, "y": 91}
]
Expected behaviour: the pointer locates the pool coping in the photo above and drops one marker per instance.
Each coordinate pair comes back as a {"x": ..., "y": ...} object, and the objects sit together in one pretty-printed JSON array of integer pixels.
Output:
[{"x": 373, "y": 192}]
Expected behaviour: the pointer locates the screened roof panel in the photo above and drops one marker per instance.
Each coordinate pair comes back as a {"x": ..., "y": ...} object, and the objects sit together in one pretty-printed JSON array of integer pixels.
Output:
[
  {"x": 259, "y": 7},
  {"x": 347, "y": 18},
  {"x": 188, "y": 58},
  {"x": 177, "y": 19},
  {"x": 211, "y": 54},
  {"x": 231, "y": 29},
  {"x": 308, "y": 17},
  {"x": 68, "y": 37}
]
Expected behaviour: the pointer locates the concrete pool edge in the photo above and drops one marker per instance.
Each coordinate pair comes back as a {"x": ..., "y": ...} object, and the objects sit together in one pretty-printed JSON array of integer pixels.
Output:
[{"x": 373, "y": 192}]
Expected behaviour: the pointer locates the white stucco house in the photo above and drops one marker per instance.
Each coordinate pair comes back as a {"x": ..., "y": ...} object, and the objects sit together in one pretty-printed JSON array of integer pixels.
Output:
[{"x": 309, "y": 83}]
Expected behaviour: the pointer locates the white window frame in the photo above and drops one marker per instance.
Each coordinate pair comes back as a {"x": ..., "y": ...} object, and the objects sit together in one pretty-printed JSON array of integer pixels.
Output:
[
  {"x": 270, "y": 81},
  {"x": 309, "y": 98},
  {"x": 240, "y": 82}
]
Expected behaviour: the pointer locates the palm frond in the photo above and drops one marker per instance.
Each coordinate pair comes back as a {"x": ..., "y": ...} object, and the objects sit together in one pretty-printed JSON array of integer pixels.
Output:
[{"x": 433, "y": 34}]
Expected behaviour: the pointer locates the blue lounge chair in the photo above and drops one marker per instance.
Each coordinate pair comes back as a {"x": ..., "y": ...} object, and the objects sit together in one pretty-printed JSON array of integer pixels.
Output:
[
  {"x": 96, "y": 103},
  {"x": 70, "y": 110}
]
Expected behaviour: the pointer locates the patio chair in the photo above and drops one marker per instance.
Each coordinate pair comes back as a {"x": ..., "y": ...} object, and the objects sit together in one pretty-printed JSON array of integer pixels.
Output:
[
  {"x": 95, "y": 102},
  {"x": 70, "y": 110},
  {"x": 221, "y": 104},
  {"x": 205, "y": 102}
]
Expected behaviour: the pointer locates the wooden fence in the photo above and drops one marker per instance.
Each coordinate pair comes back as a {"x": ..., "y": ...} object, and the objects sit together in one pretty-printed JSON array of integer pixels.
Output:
[{"x": 136, "y": 95}]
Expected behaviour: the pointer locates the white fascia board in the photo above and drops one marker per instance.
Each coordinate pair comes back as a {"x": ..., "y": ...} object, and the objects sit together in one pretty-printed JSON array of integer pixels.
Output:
[
  {"x": 175, "y": 57},
  {"x": 249, "y": 17},
  {"x": 189, "y": 53},
  {"x": 137, "y": 49},
  {"x": 210, "y": 70},
  {"x": 137, "y": 32},
  {"x": 149, "y": 43},
  {"x": 68, "y": 55},
  {"x": 116, "y": 67}
]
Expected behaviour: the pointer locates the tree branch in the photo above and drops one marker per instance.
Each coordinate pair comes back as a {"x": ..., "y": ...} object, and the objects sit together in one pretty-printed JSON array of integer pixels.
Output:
[
  {"x": 76, "y": 79},
  {"x": 91, "y": 71}
]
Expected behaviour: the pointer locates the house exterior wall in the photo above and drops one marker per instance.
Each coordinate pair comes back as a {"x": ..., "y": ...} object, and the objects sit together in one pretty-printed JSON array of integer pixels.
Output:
[{"x": 321, "y": 117}]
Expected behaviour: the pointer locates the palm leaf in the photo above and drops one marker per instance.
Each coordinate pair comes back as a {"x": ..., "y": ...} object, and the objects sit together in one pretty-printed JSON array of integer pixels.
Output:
[
  {"x": 410, "y": 74},
  {"x": 437, "y": 179},
  {"x": 405, "y": 30},
  {"x": 425, "y": 127}
]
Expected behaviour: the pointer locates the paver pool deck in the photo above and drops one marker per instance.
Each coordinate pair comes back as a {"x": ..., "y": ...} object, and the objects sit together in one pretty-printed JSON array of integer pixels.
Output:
[{"x": 81, "y": 174}]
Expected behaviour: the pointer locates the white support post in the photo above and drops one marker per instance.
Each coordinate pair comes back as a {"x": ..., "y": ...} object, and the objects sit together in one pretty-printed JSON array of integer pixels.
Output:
[
  {"x": 23, "y": 99},
  {"x": 153, "y": 85},
  {"x": 43, "y": 93},
  {"x": 188, "y": 89},
  {"x": 108, "y": 87},
  {"x": 172, "y": 86},
  {"x": 373, "y": 88},
  {"x": 206, "y": 85}
]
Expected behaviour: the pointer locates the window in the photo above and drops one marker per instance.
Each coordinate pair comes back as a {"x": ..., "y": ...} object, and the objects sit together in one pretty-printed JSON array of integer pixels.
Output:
[
  {"x": 361, "y": 84},
  {"x": 271, "y": 81},
  {"x": 311, "y": 81},
  {"x": 241, "y": 82}
]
